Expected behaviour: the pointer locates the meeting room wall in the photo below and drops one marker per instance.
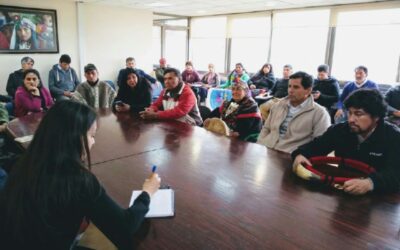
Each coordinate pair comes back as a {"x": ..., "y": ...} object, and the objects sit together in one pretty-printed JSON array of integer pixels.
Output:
[
  {"x": 89, "y": 33},
  {"x": 114, "y": 33}
]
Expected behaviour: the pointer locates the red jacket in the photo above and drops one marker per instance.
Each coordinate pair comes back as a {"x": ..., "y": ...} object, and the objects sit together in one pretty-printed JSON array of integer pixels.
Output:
[{"x": 182, "y": 107}]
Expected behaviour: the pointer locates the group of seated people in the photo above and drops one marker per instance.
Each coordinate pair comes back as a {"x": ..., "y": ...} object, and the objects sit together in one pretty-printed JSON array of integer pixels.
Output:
[{"x": 298, "y": 123}]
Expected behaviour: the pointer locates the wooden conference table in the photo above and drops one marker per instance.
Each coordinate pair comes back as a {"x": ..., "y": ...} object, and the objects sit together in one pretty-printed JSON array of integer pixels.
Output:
[{"x": 229, "y": 194}]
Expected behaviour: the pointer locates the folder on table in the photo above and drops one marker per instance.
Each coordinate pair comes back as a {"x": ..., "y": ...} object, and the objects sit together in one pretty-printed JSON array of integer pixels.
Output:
[{"x": 161, "y": 203}]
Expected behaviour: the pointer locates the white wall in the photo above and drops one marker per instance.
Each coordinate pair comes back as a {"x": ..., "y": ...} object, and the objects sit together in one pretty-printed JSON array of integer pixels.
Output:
[
  {"x": 114, "y": 33},
  {"x": 109, "y": 35}
]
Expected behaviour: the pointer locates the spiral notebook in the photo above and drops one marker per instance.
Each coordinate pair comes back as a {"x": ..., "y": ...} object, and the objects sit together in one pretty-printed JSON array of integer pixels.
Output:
[{"x": 161, "y": 203}]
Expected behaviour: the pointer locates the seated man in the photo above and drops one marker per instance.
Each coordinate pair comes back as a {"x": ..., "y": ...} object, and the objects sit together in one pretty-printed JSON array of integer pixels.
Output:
[
  {"x": 326, "y": 89},
  {"x": 63, "y": 79},
  {"x": 392, "y": 98},
  {"x": 176, "y": 101},
  {"x": 296, "y": 119},
  {"x": 93, "y": 92},
  {"x": 160, "y": 71},
  {"x": 16, "y": 78},
  {"x": 131, "y": 63},
  {"x": 280, "y": 89},
  {"x": 361, "y": 73},
  {"x": 364, "y": 137}
]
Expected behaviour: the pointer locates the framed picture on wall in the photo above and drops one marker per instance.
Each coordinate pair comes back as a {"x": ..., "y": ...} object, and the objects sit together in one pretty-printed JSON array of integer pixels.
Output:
[{"x": 28, "y": 30}]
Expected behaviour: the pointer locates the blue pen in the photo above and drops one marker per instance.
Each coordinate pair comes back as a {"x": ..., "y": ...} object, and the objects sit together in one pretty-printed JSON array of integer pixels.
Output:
[{"x": 153, "y": 169}]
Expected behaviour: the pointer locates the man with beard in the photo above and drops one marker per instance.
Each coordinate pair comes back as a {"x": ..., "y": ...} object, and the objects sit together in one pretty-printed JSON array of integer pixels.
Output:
[{"x": 365, "y": 137}]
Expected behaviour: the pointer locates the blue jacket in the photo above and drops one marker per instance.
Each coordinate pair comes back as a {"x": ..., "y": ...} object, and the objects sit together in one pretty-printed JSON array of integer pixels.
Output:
[
  {"x": 61, "y": 80},
  {"x": 350, "y": 87}
]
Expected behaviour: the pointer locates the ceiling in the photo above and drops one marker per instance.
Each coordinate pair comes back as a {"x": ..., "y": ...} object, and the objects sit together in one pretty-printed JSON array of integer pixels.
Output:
[{"x": 213, "y": 7}]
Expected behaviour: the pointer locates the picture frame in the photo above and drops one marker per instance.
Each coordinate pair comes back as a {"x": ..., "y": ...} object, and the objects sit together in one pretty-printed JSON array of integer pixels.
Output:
[{"x": 28, "y": 30}]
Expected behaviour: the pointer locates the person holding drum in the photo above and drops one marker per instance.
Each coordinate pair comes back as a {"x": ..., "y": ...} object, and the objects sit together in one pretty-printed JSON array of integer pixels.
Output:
[{"x": 364, "y": 137}]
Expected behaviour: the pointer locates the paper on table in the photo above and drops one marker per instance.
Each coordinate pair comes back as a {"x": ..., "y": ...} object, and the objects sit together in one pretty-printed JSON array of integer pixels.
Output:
[{"x": 161, "y": 203}]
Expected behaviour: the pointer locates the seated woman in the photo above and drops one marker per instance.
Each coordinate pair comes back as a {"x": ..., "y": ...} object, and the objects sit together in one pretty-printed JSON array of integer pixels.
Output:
[
  {"x": 51, "y": 189},
  {"x": 32, "y": 96},
  {"x": 238, "y": 75},
  {"x": 263, "y": 80},
  {"x": 241, "y": 114},
  {"x": 210, "y": 80},
  {"x": 134, "y": 93},
  {"x": 190, "y": 76}
]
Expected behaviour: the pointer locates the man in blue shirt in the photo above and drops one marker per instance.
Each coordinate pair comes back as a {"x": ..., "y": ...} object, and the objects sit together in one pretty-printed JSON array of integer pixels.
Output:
[{"x": 361, "y": 73}]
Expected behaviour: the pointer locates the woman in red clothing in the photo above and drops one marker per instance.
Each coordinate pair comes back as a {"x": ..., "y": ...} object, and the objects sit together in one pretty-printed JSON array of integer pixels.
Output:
[{"x": 32, "y": 96}]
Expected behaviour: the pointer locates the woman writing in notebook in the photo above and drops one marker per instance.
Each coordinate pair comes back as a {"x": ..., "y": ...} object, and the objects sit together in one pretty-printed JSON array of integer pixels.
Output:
[{"x": 51, "y": 189}]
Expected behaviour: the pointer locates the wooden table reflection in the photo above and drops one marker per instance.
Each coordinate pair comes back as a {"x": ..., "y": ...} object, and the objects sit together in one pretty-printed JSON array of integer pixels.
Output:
[{"x": 233, "y": 195}]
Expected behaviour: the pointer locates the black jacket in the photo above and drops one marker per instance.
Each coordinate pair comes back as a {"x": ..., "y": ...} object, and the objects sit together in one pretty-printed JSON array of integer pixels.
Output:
[
  {"x": 329, "y": 89},
  {"x": 263, "y": 81},
  {"x": 138, "y": 98},
  {"x": 280, "y": 88},
  {"x": 380, "y": 150},
  {"x": 60, "y": 227},
  {"x": 15, "y": 80}
]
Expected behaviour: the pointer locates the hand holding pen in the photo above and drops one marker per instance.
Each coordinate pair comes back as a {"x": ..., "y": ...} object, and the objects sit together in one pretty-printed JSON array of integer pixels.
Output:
[{"x": 152, "y": 184}]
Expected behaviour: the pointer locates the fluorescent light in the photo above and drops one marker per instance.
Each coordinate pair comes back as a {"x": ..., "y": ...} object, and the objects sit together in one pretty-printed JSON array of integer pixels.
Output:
[{"x": 159, "y": 4}]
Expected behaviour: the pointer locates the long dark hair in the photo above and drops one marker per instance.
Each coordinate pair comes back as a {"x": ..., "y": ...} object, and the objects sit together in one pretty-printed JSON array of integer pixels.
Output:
[
  {"x": 50, "y": 173},
  {"x": 142, "y": 84},
  {"x": 271, "y": 70}
]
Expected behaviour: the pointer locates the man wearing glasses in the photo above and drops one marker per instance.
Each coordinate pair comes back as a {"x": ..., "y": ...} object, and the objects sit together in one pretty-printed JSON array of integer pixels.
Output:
[
  {"x": 366, "y": 137},
  {"x": 16, "y": 78}
]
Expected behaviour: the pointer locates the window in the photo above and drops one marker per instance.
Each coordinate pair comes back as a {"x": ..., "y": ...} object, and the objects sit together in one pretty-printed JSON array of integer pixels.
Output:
[
  {"x": 175, "y": 48},
  {"x": 368, "y": 38},
  {"x": 156, "y": 47},
  {"x": 250, "y": 41},
  {"x": 208, "y": 43},
  {"x": 299, "y": 38}
]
